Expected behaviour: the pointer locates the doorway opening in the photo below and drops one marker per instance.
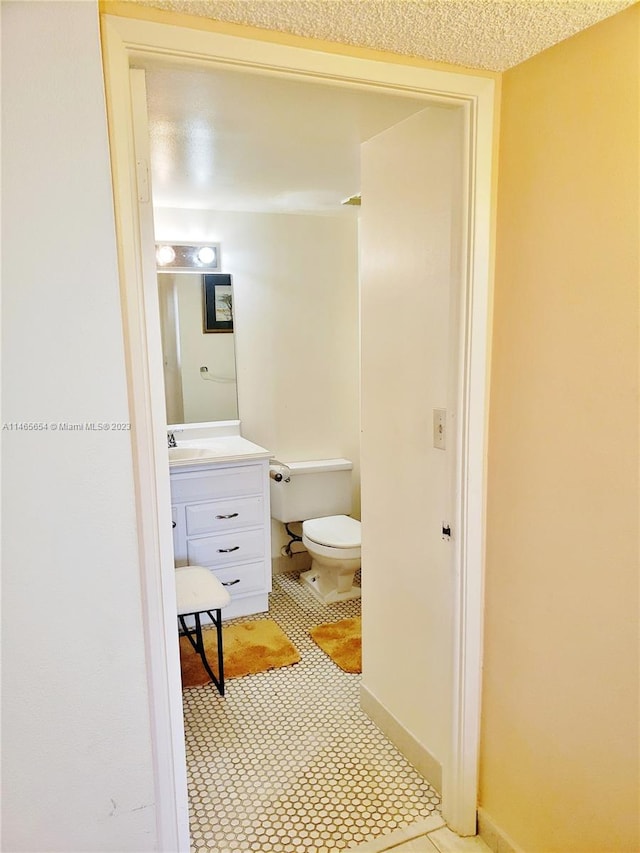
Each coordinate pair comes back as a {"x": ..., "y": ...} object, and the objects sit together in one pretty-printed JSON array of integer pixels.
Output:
[
  {"x": 260, "y": 166},
  {"x": 125, "y": 42}
]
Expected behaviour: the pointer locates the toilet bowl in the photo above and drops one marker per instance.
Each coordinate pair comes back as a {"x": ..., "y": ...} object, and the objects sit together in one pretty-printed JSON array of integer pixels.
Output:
[
  {"x": 318, "y": 493},
  {"x": 334, "y": 545}
]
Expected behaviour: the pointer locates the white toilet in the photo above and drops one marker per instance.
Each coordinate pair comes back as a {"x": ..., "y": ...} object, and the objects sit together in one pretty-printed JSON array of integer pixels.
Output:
[{"x": 318, "y": 493}]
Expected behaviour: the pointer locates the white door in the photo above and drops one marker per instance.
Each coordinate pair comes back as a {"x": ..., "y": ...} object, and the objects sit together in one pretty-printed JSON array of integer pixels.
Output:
[{"x": 410, "y": 255}]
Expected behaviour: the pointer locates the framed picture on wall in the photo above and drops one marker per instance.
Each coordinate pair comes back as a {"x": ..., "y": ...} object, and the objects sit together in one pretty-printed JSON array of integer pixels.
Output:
[{"x": 217, "y": 303}]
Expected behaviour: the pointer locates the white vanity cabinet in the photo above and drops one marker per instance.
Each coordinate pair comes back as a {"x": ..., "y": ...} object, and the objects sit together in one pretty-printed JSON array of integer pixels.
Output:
[{"x": 222, "y": 521}]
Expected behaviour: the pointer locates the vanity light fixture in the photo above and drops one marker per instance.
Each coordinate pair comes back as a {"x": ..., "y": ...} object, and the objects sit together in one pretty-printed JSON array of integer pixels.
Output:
[
  {"x": 206, "y": 255},
  {"x": 165, "y": 255},
  {"x": 188, "y": 257}
]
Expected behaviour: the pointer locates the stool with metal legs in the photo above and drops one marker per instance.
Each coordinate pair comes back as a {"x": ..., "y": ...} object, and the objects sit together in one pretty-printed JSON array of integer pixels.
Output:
[{"x": 199, "y": 591}]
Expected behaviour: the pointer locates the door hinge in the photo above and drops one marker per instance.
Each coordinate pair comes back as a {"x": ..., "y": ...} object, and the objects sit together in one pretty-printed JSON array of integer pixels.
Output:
[
  {"x": 142, "y": 179},
  {"x": 446, "y": 531}
]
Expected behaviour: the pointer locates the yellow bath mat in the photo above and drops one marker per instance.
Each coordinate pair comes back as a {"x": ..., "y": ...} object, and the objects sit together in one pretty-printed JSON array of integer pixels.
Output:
[
  {"x": 249, "y": 647},
  {"x": 342, "y": 641}
]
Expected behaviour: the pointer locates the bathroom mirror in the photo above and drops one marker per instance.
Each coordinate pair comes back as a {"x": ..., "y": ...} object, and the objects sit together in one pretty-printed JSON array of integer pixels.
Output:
[{"x": 199, "y": 365}]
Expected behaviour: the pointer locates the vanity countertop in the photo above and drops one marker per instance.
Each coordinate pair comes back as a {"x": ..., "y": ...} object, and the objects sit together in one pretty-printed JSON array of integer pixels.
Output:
[{"x": 225, "y": 448}]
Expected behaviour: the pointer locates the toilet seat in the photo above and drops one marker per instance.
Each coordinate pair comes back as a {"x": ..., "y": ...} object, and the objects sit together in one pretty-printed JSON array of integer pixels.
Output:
[{"x": 333, "y": 531}]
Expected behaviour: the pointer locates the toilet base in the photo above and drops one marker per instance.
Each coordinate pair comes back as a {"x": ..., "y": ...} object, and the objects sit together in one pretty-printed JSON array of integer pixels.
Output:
[{"x": 324, "y": 590}]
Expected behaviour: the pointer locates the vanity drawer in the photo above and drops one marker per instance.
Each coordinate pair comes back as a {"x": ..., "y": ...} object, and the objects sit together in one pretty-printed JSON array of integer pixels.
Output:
[
  {"x": 242, "y": 579},
  {"x": 233, "y": 547},
  {"x": 220, "y": 482},
  {"x": 218, "y": 516}
]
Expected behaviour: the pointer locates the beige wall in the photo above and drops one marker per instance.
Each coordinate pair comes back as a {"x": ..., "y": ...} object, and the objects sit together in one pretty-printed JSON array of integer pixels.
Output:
[{"x": 560, "y": 718}]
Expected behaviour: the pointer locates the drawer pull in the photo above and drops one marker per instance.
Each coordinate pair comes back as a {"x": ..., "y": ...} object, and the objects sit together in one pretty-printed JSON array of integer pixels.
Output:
[
  {"x": 230, "y": 583},
  {"x": 228, "y": 550},
  {"x": 231, "y": 515}
]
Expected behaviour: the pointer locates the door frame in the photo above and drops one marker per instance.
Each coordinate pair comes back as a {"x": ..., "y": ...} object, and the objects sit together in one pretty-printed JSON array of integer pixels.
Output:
[{"x": 127, "y": 39}]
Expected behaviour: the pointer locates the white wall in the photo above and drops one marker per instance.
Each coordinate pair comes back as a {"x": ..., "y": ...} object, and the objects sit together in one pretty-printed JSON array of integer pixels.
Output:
[
  {"x": 76, "y": 752},
  {"x": 295, "y": 284},
  {"x": 409, "y": 234}
]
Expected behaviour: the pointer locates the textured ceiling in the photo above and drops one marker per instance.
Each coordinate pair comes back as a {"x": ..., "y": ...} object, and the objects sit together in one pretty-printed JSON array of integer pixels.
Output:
[{"x": 487, "y": 34}]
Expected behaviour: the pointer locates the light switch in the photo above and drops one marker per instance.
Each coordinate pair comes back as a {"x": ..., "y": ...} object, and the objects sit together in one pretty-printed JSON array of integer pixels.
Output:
[{"x": 440, "y": 428}]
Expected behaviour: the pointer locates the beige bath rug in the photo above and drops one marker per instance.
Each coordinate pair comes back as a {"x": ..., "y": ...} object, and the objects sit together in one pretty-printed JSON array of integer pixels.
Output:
[
  {"x": 342, "y": 641},
  {"x": 249, "y": 647}
]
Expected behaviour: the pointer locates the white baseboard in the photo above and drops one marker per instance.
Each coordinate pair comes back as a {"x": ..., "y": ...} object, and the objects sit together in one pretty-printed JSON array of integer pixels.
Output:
[
  {"x": 415, "y": 831},
  {"x": 415, "y": 753},
  {"x": 493, "y": 836}
]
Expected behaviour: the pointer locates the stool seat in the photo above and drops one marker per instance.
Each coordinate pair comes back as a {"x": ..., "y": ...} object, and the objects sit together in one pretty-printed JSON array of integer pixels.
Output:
[{"x": 198, "y": 590}]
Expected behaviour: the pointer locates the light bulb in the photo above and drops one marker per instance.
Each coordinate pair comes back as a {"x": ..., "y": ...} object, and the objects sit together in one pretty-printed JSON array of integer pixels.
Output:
[
  {"x": 165, "y": 255},
  {"x": 206, "y": 255}
]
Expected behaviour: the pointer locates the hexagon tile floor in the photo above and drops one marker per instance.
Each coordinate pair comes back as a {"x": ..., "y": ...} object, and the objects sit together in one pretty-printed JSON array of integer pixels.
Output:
[{"x": 287, "y": 762}]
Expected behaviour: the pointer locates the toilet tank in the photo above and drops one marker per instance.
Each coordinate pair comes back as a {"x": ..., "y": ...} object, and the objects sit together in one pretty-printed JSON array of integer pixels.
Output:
[{"x": 316, "y": 488}]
